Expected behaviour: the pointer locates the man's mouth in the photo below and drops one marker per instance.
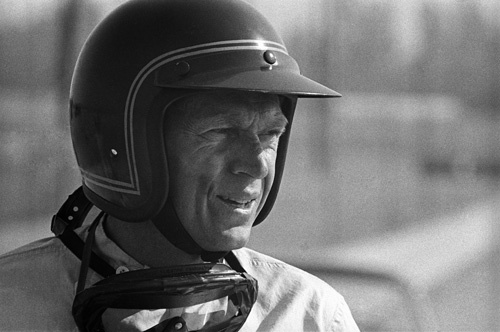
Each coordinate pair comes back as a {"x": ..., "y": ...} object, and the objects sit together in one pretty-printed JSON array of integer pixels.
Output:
[{"x": 238, "y": 203}]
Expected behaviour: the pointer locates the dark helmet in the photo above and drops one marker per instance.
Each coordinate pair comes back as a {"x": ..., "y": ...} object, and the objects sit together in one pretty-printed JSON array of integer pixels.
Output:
[{"x": 139, "y": 60}]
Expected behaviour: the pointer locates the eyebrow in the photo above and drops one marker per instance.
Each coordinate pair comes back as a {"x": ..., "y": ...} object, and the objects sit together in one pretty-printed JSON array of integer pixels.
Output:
[{"x": 278, "y": 119}]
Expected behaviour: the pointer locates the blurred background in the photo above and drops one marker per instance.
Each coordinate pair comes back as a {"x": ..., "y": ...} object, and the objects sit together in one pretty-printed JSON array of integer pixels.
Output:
[{"x": 398, "y": 179}]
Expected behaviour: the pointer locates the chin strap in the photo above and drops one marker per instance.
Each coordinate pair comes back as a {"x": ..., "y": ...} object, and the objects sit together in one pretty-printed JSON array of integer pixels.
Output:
[
  {"x": 71, "y": 216},
  {"x": 168, "y": 223}
]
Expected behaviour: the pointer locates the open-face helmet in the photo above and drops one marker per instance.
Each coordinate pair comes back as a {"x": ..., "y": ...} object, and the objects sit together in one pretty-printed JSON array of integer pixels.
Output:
[{"x": 144, "y": 56}]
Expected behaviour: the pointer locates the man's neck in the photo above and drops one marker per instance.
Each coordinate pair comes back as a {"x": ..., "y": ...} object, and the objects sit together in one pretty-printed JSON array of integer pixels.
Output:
[{"x": 143, "y": 242}]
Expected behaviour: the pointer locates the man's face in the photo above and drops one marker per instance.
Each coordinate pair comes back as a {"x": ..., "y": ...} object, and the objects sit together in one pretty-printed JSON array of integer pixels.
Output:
[{"x": 221, "y": 150}]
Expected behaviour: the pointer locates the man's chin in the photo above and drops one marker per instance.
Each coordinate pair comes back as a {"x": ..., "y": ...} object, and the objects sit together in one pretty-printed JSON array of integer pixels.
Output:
[{"x": 230, "y": 240}]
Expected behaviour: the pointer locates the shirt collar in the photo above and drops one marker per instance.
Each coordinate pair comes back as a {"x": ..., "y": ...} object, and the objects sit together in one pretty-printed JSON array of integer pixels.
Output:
[{"x": 107, "y": 249}]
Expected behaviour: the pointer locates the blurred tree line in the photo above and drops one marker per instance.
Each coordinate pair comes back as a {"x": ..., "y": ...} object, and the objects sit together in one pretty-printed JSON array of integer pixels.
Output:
[{"x": 459, "y": 49}]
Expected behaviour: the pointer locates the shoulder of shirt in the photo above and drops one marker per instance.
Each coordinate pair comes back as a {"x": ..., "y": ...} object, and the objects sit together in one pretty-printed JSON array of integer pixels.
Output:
[
  {"x": 37, "y": 284},
  {"x": 42, "y": 247},
  {"x": 249, "y": 257},
  {"x": 284, "y": 285},
  {"x": 258, "y": 264}
]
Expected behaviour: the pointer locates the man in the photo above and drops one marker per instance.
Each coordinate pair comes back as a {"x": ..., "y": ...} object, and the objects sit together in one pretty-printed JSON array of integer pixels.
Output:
[{"x": 180, "y": 117}]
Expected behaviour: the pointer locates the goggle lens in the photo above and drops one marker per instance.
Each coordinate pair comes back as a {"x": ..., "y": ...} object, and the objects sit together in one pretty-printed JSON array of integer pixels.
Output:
[{"x": 204, "y": 297}]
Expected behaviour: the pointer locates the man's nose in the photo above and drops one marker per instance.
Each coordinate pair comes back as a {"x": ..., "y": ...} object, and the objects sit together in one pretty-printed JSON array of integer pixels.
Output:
[{"x": 249, "y": 158}]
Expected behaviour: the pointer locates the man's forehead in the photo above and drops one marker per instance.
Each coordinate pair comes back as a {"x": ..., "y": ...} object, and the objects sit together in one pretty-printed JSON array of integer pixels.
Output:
[{"x": 229, "y": 103}]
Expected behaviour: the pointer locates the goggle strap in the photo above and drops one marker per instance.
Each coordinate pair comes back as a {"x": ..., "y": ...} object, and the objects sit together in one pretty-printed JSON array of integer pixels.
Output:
[
  {"x": 87, "y": 253},
  {"x": 234, "y": 263}
]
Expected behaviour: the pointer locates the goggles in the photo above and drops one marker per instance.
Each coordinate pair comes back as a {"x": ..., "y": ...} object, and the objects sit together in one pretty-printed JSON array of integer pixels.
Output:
[{"x": 205, "y": 297}]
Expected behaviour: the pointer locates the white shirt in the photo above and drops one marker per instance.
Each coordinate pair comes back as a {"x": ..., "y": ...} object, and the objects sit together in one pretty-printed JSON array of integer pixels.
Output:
[{"x": 38, "y": 284}]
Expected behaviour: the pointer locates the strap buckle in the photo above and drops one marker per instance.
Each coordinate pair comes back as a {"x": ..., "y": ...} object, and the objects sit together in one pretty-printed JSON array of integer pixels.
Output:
[{"x": 72, "y": 213}]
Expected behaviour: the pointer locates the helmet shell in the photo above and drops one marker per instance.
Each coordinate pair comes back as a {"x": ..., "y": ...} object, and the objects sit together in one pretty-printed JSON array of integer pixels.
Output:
[{"x": 144, "y": 56}]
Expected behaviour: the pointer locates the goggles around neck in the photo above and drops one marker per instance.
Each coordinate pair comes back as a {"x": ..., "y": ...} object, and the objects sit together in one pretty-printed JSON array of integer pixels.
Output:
[{"x": 228, "y": 293}]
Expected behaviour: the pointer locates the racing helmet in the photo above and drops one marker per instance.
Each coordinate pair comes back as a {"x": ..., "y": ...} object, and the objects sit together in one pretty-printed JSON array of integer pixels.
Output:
[{"x": 143, "y": 57}]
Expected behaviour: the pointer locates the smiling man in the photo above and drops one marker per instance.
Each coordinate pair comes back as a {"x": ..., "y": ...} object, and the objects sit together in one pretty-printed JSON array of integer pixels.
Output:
[
  {"x": 180, "y": 118},
  {"x": 222, "y": 149}
]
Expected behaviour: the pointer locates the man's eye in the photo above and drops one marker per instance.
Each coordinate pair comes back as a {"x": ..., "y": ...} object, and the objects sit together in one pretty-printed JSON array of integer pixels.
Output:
[
  {"x": 221, "y": 130},
  {"x": 275, "y": 133}
]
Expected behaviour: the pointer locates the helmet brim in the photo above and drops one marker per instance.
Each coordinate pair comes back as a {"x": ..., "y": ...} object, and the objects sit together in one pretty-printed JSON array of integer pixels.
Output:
[
  {"x": 240, "y": 70},
  {"x": 281, "y": 83}
]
